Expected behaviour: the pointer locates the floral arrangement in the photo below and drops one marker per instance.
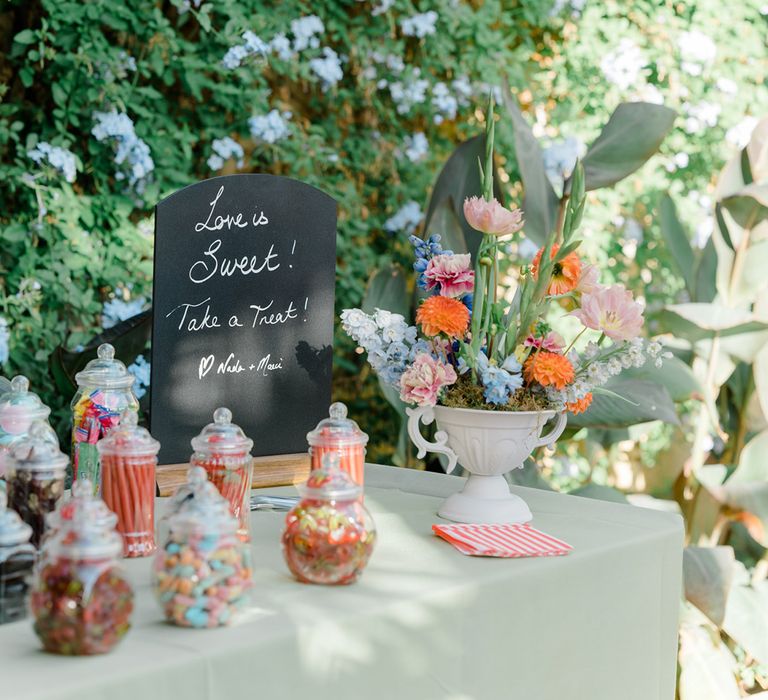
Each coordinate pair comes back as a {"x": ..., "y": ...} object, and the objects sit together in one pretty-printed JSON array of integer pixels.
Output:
[{"x": 469, "y": 349}]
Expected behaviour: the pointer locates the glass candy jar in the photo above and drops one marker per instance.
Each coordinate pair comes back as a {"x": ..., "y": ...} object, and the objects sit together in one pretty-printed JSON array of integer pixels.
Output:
[
  {"x": 224, "y": 451},
  {"x": 128, "y": 459},
  {"x": 17, "y": 557},
  {"x": 35, "y": 477},
  {"x": 200, "y": 575},
  {"x": 81, "y": 601},
  {"x": 104, "y": 392},
  {"x": 339, "y": 435},
  {"x": 19, "y": 408},
  {"x": 329, "y": 535}
]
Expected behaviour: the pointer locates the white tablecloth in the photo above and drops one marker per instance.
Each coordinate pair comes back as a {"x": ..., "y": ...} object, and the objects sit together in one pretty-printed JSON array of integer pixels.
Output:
[{"x": 424, "y": 621}]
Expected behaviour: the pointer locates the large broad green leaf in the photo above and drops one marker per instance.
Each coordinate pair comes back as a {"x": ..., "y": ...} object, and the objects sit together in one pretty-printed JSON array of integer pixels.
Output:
[
  {"x": 707, "y": 575},
  {"x": 638, "y": 401},
  {"x": 753, "y": 462},
  {"x": 387, "y": 290},
  {"x": 540, "y": 201},
  {"x": 445, "y": 223},
  {"x": 744, "y": 346},
  {"x": 746, "y": 616},
  {"x": 459, "y": 179},
  {"x": 749, "y": 206},
  {"x": 676, "y": 376},
  {"x": 696, "y": 321},
  {"x": 130, "y": 339},
  {"x": 707, "y": 667},
  {"x": 760, "y": 374},
  {"x": 632, "y": 135},
  {"x": 706, "y": 274},
  {"x": 678, "y": 242}
]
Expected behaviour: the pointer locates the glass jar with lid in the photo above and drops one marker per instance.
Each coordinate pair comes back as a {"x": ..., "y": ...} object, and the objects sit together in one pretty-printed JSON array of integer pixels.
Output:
[
  {"x": 224, "y": 451},
  {"x": 17, "y": 557},
  {"x": 81, "y": 600},
  {"x": 339, "y": 435},
  {"x": 35, "y": 477},
  {"x": 128, "y": 459},
  {"x": 19, "y": 409},
  {"x": 104, "y": 392},
  {"x": 329, "y": 535},
  {"x": 200, "y": 576}
]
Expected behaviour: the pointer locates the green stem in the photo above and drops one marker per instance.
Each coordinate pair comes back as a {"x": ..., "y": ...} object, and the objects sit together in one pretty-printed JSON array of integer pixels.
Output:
[{"x": 573, "y": 342}]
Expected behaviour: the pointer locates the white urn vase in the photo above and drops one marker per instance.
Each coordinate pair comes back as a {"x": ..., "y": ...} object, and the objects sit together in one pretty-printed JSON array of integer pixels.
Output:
[{"x": 487, "y": 444}]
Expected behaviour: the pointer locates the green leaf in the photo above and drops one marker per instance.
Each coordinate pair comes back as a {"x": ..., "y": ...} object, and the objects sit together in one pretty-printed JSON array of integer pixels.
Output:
[
  {"x": 387, "y": 290},
  {"x": 678, "y": 242},
  {"x": 707, "y": 576},
  {"x": 25, "y": 37},
  {"x": 746, "y": 617},
  {"x": 632, "y": 135},
  {"x": 706, "y": 274},
  {"x": 753, "y": 465},
  {"x": 696, "y": 321},
  {"x": 445, "y": 222},
  {"x": 676, "y": 376},
  {"x": 749, "y": 206},
  {"x": 707, "y": 667},
  {"x": 599, "y": 492},
  {"x": 540, "y": 201},
  {"x": 649, "y": 401}
]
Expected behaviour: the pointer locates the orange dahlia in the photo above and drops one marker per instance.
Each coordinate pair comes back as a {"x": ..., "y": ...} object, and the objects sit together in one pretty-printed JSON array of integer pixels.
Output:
[
  {"x": 565, "y": 274},
  {"x": 440, "y": 314},
  {"x": 548, "y": 368},
  {"x": 581, "y": 405}
]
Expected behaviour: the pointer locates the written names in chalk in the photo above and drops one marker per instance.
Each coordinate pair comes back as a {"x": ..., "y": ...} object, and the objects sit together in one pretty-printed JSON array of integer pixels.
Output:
[{"x": 235, "y": 365}]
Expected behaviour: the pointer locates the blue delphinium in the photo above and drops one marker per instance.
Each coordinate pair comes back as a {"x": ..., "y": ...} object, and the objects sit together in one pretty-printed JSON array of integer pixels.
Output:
[
  {"x": 141, "y": 369},
  {"x": 499, "y": 382},
  {"x": 425, "y": 250}
]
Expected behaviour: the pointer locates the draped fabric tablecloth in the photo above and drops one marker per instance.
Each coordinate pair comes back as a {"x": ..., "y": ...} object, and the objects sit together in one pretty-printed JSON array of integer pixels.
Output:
[{"x": 423, "y": 622}]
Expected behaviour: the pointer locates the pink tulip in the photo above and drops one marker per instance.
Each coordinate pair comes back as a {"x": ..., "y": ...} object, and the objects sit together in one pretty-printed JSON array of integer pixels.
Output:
[
  {"x": 453, "y": 273},
  {"x": 588, "y": 283},
  {"x": 612, "y": 311},
  {"x": 422, "y": 381},
  {"x": 491, "y": 217}
]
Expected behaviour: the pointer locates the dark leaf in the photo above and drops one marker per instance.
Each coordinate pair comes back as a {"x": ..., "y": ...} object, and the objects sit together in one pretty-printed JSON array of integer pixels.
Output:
[{"x": 678, "y": 242}]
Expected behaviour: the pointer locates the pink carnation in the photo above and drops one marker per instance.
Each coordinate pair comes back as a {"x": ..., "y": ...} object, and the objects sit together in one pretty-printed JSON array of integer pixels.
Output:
[
  {"x": 588, "y": 283},
  {"x": 422, "y": 381},
  {"x": 612, "y": 311},
  {"x": 491, "y": 217},
  {"x": 551, "y": 342},
  {"x": 452, "y": 272}
]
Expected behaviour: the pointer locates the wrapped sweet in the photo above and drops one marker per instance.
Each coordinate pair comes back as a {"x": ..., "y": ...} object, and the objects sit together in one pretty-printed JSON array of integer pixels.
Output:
[
  {"x": 128, "y": 459},
  {"x": 17, "y": 557},
  {"x": 201, "y": 577},
  {"x": 224, "y": 451},
  {"x": 339, "y": 435},
  {"x": 35, "y": 475},
  {"x": 329, "y": 535},
  {"x": 104, "y": 392},
  {"x": 81, "y": 601},
  {"x": 19, "y": 409}
]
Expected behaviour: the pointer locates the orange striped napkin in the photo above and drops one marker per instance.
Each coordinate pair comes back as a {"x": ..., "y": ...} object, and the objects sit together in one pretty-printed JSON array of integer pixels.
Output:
[{"x": 502, "y": 540}]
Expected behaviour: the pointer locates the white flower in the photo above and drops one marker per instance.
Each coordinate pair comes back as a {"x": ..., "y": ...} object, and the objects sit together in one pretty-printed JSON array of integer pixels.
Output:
[
  {"x": 703, "y": 232},
  {"x": 59, "y": 158},
  {"x": 623, "y": 65},
  {"x": 697, "y": 51},
  {"x": 382, "y": 7},
  {"x": 281, "y": 45},
  {"x": 409, "y": 92},
  {"x": 727, "y": 86},
  {"x": 405, "y": 219},
  {"x": 419, "y": 25},
  {"x": 271, "y": 127},
  {"x": 416, "y": 146},
  {"x": 327, "y": 68},
  {"x": 130, "y": 148},
  {"x": 255, "y": 44},
  {"x": 700, "y": 116},
  {"x": 648, "y": 93},
  {"x": 304, "y": 32},
  {"x": 527, "y": 249},
  {"x": 383, "y": 317},
  {"x": 223, "y": 150},
  {"x": 234, "y": 57},
  {"x": 444, "y": 102},
  {"x": 740, "y": 134},
  {"x": 560, "y": 158}
]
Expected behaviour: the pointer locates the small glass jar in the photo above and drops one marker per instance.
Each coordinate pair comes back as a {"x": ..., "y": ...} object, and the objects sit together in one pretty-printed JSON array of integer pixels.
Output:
[
  {"x": 200, "y": 576},
  {"x": 342, "y": 436},
  {"x": 104, "y": 392},
  {"x": 81, "y": 601},
  {"x": 329, "y": 535},
  {"x": 17, "y": 557},
  {"x": 224, "y": 451},
  {"x": 128, "y": 460},
  {"x": 19, "y": 408},
  {"x": 35, "y": 477}
]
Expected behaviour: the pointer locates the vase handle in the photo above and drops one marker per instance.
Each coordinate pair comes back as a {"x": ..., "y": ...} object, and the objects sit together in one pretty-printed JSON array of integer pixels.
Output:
[
  {"x": 426, "y": 415},
  {"x": 556, "y": 432}
]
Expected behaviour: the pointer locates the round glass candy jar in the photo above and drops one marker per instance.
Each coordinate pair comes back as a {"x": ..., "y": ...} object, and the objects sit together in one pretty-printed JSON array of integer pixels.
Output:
[
  {"x": 35, "y": 477},
  {"x": 128, "y": 459},
  {"x": 104, "y": 392},
  {"x": 224, "y": 451},
  {"x": 339, "y": 435},
  {"x": 200, "y": 575},
  {"x": 19, "y": 409},
  {"x": 81, "y": 601},
  {"x": 329, "y": 535},
  {"x": 17, "y": 557}
]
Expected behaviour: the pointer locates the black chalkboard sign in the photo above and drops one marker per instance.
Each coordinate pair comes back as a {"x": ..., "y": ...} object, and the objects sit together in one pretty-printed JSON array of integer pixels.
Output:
[{"x": 243, "y": 311}]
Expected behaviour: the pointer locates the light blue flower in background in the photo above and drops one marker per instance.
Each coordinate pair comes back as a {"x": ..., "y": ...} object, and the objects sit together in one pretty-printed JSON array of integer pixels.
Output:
[
  {"x": 271, "y": 127},
  {"x": 223, "y": 150},
  {"x": 419, "y": 25},
  {"x": 130, "y": 148},
  {"x": 327, "y": 68},
  {"x": 281, "y": 45},
  {"x": 59, "y": 158},
  {"x": 404, "y": 219},
  {"x": 117, "y": 310},
  {"x": 5, "y": 336},
  {"x": 416, "y": 146},
  {"x": 255, "y": 44},
  {"x": 409, "y": 92},
  {"x": 444, "y": 102},
  {"x": 304, "y": 32},
  {"x": 499, "y": 383},
  {"x": 234, "y": 57},
  {"x": 141, "y": 369}
]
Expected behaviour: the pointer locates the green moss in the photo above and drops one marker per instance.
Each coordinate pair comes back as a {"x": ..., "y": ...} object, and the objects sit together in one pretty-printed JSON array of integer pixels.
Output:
[{"x": 466, "y": 394}]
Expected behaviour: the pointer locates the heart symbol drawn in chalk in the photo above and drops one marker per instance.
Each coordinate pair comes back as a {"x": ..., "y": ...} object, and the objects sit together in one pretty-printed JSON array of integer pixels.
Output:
[{"x": 206, "y": 364}]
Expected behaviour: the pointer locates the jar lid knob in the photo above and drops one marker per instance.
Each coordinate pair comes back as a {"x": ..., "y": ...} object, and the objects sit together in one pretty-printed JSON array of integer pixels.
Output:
[
  {"x": 338, "y": 411},
  {"x": 222, "y": 416},
  {"x": 129, "y": 418},
  {"x": 106, "y": 352},
  {"x": 20, "y": 384},
  {"x": 82, "y": 487}
]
